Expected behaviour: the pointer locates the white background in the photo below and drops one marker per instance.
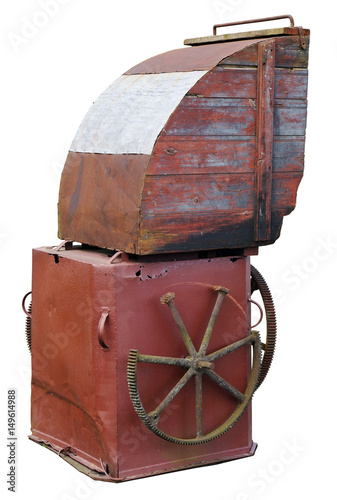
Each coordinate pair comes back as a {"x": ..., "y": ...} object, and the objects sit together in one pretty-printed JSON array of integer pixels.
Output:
[{"x": 48, "y": 82}]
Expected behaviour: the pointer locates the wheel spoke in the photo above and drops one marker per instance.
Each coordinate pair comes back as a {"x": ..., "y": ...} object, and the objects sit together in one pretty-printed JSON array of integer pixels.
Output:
[
  {"x": 167, "y": 400},
  {"x": 222, "y": 292},
  {"x": 225, "y": 385},
  {"x": 164, "y": 360},
  {"x": 168, "y": 299},
  {"x": 198, "y": 402},
  {"x": 230, "y": 348}
]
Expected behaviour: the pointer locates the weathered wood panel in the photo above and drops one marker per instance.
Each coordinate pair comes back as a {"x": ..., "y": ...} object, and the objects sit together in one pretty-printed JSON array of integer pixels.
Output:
[
  {"x": 212, "y": 116},
  {"x": 199, "y": 190},
  {"x": 291, "y": 83},
  {"x": 284, "y": 190},
  {"x": 181, "y": 233},
  {"x": 288, "y": 153},
  {"x": 221, "y": 154},
  {"x": 198, "y": 231},
  {"x": 288, "y": 54},
  {"x": 185, "y": 193},
  {"x": 202, "y": 155},
  {"x": 213, "y": 133},
  {"x": 227, "y": 82},
  {"x": 264, "y": 140},
  {"x": 290, "y": 117},
  {"x": 246, "y": 57}
]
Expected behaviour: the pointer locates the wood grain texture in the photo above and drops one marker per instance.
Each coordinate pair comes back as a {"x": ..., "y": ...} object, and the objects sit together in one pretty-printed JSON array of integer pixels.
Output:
[
  {"x": 264, "y": 140},
  {"x": 221, "y": 154},
  {"x": 200, "y": 193},
  {"x": 184, "y": 194},
  {"x": 201, "y": 174},
  {"x": 202, "y": 155},
  {"x": 288, "y": 54},
  {"x": 228, "y": 82},
  {"x": 200, "y": 231},
  {"x": 212, "y": 116}
]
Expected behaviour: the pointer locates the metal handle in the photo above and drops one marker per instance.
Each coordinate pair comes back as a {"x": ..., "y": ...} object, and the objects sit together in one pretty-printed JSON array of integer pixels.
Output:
[
  {"x": 101, "y": 324},
  {"x": 261, "y": 312},
  {"x": 27, "y": 313},
  {"x": 262, "y": 20}
]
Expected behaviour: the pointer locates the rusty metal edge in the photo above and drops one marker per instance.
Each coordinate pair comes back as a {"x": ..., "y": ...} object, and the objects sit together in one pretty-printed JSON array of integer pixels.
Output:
[{"x": 100, "y": 476}]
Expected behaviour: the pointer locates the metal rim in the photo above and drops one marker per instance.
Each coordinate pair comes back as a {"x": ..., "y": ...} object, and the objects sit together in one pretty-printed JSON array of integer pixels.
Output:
[{"x": 258, "y": 283}]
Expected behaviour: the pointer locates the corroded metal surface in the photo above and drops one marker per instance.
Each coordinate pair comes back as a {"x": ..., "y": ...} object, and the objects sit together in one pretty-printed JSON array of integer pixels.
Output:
[
  {"x": 258, "y": 283},
  {"x": 99, "y": 201},
  {"x": 80, "y": 400},
  {"x": 189, "y": 59}
]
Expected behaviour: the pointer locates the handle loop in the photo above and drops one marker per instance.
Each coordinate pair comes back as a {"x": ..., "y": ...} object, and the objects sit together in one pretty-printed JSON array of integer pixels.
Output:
[
  {"x": 27, "y": 313},
  {"x": 250, "y": 21},
  {"x": 104, "y": 315},
  {"x": 261, "y": 313}
]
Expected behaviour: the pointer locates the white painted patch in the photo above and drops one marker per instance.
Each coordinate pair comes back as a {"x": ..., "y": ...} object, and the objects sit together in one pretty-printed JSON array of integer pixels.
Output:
[{"x": 129, "y": 115}]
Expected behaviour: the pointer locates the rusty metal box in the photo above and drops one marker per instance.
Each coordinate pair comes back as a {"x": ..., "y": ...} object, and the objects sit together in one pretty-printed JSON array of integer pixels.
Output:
[{"x": 89, "y": 314}]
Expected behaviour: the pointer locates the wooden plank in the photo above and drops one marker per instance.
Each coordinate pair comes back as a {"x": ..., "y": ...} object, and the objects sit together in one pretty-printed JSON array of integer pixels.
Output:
[
  {"x": 288, "y": 54},
  {"x": 221, "y": 154},
  {"x": 212, "y": 116},
  {"x": 227, "y": 82},
  {"x": 245, "y": 57},
  {"x": 202, "y": 155},
  {"x": 187, "y": 193},
  {"x": 200, "y": 231},
  {"x": 284, "y": 190},
  {"x": 197, "y": 193},
  {"x": 288, "y": 153},
  {"x": 230, "y": 82},
  {"x": 291, "y": 83},
  {"x": 264, "y": 140},
  {"x": 290, "y": 117},
  {"x": 272, "y": 32}
]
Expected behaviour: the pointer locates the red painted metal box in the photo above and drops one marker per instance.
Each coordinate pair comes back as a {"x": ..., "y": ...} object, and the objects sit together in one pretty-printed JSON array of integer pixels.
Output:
[{"x": 89, "y": 313}]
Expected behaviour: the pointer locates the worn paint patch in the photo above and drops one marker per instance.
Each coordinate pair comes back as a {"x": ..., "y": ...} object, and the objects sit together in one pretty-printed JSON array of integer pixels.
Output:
[{"x": 130, "y": 114}]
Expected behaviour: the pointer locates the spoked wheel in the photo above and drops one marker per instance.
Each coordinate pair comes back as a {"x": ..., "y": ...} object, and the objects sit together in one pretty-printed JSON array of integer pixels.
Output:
[{"x": 196, "y": 364}]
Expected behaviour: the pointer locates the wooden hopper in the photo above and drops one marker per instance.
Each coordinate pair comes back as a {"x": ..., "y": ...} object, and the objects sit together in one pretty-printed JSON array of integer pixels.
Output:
[{"x": 200, "y": 148}]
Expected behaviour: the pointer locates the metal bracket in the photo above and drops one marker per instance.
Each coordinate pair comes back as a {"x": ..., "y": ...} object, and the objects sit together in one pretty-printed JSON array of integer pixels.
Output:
[{"x": 302, "y": 38}]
